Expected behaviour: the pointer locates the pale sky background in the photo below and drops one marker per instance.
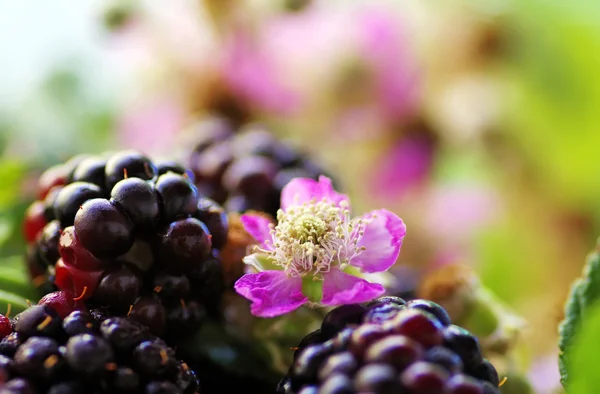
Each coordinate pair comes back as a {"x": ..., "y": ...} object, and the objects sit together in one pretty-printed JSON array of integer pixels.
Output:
[{"x": 38, "y": 35}]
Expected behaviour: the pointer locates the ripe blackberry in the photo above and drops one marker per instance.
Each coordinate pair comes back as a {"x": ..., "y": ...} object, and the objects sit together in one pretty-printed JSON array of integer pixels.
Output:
[
  {"x": 80, "y": 354},
  {"x": 124, "y": 235},
  {"x": 389, "y": 346},
  {"x": 243, "y": 168}
]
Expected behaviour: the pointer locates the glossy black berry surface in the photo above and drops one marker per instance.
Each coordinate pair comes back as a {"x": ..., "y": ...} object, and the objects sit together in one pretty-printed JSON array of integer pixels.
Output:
[
  {"x": 246, "y": 167},
  {"x": 126, "y": 236},
  {"x": 388, "y": 346},
  {"x": 81, "y": 354}
]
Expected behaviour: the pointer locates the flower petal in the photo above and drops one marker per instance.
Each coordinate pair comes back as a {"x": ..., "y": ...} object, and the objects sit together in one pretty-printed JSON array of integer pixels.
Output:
[
  {"x": 301, "y": 190},
  {"x": 251, "y": 73},
  {"x": 382, "y": 238},
  {"x": 272, "y": 293},
  {"x": 404, "y": 167},
  {"x": 258, "y": 227},
  {"x": 341, "y": 288}
]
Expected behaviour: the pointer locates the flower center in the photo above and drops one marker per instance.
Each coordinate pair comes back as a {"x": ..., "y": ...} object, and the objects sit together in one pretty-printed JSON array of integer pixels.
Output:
[
  {"x": 313, "y": 237},
  {"x": 308, "y": 228}
]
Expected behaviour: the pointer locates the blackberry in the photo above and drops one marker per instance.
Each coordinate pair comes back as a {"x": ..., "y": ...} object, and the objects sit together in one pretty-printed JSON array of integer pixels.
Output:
[
  {"x": 10, "y": 344},
  {"x": 120, "y": 234},
  {"x": 90, "y": 170},
  {"x": 178, "y": 195},
  {"x": 39, "y": 320},
  {"x": 243, "y": 168},
  {"x": 138, "y": 199},
  {"x": 69, "y": 200},
  {"x": 47, "y": 243},
  {"x": 128, "y": 164},
  {"x": 38, "y": 359},
  {"x": 81, "y": 354},
  {"x": 389, "y": 346},
  {"x": 79, "y": 322}
]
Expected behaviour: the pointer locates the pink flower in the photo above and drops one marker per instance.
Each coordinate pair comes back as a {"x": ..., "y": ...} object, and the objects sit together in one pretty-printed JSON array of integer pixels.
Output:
[
  {"x": 316, "y": 251},
  {"x": 251, "y": 74},
  {"x": 407, "y": 165},
  {"x": 385, "y": 49},
  {"x": 151, "y": 125},
  {"x": 293, "y": 62}
]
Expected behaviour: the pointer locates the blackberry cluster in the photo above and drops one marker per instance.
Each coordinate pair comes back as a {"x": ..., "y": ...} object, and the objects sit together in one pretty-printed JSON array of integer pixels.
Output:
[
  {"x": 127, "y": 236},
  {"x": 244, "y": 168},
  {"x": 390, "y": 346},
  {"x": 42, "y": 353}
]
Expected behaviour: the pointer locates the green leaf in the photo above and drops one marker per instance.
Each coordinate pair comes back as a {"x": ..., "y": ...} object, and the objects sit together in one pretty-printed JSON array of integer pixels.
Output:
[
  {"x": 15, "y": 285},
  {"x": 584, "y": 293},
  {"x": 5, "y": 230},
  {"x": 17, "y": 303},
  {"x": 583, "y": 355},
  {"x": 11, "y": 175}
]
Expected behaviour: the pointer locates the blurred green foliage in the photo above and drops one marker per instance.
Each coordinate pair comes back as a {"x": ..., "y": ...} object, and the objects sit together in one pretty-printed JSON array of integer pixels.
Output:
[{"x": 557, "y": 95}]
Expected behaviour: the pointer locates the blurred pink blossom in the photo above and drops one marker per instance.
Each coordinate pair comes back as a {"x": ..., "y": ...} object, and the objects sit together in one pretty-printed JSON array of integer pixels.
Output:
[
  {"x": 293, "y": 60},
  {"x": 384, "y": 47},
  {"x": 455, "y": 213},
  {"x": 406, "y": 165},
  {"x": 250, "y": 75},
  {"x": 151, "y": 125},
  {"x": 544, "y": 375}
]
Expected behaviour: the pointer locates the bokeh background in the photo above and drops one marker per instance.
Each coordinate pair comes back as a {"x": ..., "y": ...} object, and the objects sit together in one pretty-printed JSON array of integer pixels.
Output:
[{"x": 476, "y": 121}]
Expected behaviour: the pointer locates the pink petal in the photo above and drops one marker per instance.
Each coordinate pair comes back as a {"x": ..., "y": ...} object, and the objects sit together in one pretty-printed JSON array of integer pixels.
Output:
[
  {"x": 252, "y": 74},
  {"x": 272, "y": 293},
  {"x": 301, "y": 190},
  {"x": 383, "y": 235},
  {"x": 341, "y": 288},
  {"x": 151, "y": 125},
  {"x": 258, "y": 227},
  {"x": 406, "y": 165},
  {"x": 385, "y": 48}
]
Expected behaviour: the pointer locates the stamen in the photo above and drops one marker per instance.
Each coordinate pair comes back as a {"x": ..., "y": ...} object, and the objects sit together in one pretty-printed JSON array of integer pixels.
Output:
[
  {"x": 50, "y": 361},
  {"x": 157, "y": 289},
  {"x": 130, "y": 309},
  {"x": 164, "y": 357},
  {"x": 39, "y": 280},
  {"x": 313, "y": 237},
  {"x": 503, "y": 381},
  {"x": 110, "y": 366},
  {"x": 47, "y": 320},
  {"x": 80, "y": 297},
  {"x": 8, "y": 310}
]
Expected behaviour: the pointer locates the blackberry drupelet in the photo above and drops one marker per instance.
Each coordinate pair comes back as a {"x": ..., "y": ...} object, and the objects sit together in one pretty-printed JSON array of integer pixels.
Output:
[
  {"x": 243, "y": 168},
  {"x": 390, "y": 346},
  {"x": 121, "y": 234},
  {"x": 79, "y": 355}
]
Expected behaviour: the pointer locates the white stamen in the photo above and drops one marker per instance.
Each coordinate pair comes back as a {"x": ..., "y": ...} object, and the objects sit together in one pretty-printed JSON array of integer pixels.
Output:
[{"x": 314, "y": 236}]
